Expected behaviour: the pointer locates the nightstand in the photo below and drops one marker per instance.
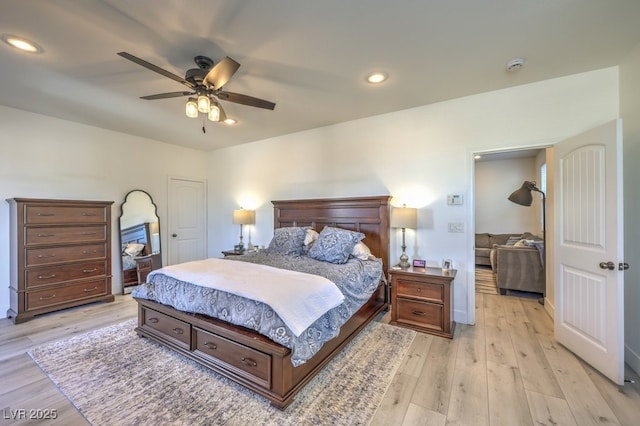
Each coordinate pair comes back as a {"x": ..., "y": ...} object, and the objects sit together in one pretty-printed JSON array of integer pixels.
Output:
[
  {"x": 228, "y": 253},
  {"x": 146, "y": 264},
  {"x": 421, "y": 299}
]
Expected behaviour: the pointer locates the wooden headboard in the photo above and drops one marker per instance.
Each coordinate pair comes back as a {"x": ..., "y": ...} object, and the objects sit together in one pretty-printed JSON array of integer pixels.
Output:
[
  {"x": 369, "y": 215},
  {"x": 140, "y": 233}
]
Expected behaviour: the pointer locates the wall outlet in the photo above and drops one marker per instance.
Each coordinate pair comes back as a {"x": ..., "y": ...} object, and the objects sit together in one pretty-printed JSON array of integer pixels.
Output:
[{"x": 456, "y": 227}]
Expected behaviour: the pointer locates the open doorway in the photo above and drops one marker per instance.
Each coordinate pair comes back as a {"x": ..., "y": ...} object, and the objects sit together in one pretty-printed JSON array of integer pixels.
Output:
[{"x": 509, "y": 237}]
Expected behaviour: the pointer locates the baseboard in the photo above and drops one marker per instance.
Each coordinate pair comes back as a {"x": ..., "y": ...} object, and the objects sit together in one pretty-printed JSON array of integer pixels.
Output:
[
  {"x": 549, "y": 308},
  {"x": 632, "y": 359},
  {"x": 3, "y": 311}
]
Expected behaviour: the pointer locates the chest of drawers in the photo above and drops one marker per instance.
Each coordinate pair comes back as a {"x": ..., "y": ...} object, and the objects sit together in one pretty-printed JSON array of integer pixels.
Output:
[
  {"x": 422, "y": 299},
  {"x": 60, "y": 255}
]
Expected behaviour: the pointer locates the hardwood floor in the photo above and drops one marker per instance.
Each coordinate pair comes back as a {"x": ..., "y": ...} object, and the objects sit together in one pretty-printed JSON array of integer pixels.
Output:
[{"x": 505, "y": 370}]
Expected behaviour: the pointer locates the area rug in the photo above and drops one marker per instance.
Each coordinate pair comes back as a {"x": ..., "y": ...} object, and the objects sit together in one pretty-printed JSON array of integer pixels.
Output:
[
  {"x": 485, "y": 281},
  {"x": 113, "y": 377}
]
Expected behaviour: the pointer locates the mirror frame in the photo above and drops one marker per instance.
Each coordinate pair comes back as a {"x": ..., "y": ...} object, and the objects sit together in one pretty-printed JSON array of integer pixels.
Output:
[{"x": 156, "y": 257}]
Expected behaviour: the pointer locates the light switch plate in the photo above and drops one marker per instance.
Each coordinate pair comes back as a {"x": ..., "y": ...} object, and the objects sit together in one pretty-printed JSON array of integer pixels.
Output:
[{"x": 456, "y": 227}]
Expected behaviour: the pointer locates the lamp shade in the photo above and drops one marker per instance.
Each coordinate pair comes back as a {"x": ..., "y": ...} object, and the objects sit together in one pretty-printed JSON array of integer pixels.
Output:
[
  {"x": 404, "y": 217},
  {"x": 244, "y": 217},
  {"x": 523, "y": 195}
]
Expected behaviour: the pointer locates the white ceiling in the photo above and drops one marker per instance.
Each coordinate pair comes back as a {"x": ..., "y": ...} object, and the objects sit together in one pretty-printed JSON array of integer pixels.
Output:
[{"x": 309, "y": 57}]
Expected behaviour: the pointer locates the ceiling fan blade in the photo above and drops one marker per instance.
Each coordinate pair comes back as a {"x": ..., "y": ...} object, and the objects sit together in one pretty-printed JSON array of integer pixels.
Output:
[
  {"x": 166, "y": 95},
  {"x": 156, "y": 68},
  {"x": 221, "y": 73},
  {"x": 245, "y": 100}
]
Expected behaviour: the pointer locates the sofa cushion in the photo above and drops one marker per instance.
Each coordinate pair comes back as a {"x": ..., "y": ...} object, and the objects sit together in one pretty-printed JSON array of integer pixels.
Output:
[
  {"x": 501, "y": 239},
  {"x": 482, "y": 240}
]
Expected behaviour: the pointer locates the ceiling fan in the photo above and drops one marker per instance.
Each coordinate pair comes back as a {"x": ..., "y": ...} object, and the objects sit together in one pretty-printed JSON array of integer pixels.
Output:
[{"x": 205, "y": 84}]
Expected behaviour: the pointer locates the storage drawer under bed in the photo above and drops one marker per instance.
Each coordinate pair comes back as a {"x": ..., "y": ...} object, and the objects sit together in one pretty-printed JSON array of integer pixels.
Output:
[
  {"x": 166, "y": 327},
  {"x": 242, "y": 360}
]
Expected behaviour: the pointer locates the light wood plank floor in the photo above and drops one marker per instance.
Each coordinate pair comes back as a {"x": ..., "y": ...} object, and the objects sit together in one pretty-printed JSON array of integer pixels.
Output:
[{"x": 505, "y": 370}]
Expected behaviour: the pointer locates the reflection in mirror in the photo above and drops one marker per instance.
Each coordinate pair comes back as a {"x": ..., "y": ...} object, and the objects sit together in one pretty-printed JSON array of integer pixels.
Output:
[{"x": 139, "y": 239}]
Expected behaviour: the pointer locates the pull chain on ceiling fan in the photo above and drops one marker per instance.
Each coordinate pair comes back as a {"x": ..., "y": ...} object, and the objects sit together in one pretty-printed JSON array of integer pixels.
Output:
[{"x": 205, "y": 84}]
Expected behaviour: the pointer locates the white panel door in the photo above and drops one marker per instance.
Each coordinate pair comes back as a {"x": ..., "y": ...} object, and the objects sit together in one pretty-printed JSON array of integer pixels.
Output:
[
  {"x": 187, "y": 220},
  {"x": 589, "y": 283}
]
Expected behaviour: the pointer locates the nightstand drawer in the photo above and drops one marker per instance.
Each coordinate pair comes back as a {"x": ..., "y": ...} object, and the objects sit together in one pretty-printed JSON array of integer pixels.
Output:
[
  {"x": 421, "y": 314},
  {"x": 420, "y": 290}
]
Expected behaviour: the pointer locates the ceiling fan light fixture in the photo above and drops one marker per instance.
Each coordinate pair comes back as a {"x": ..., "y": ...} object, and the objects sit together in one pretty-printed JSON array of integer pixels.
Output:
[
  {"x": 214, "y": 113},
  {"x": 191, "y": 109},
  {"x": 204, "y": 104}
]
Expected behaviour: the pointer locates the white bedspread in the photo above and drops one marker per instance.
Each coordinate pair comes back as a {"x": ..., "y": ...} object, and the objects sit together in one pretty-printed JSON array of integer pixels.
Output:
[{"x": 297, "y": 297}]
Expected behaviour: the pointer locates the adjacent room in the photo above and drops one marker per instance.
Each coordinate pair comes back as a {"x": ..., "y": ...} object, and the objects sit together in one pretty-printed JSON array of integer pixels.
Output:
[{"x": 330, "y": 212}]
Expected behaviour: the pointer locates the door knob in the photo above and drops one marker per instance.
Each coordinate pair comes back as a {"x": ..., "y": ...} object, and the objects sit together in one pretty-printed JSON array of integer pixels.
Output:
[
  {"x": 623, "y": 266},
  {"x": 608, "y": 265},
  {"x": 174, "y": 235}
]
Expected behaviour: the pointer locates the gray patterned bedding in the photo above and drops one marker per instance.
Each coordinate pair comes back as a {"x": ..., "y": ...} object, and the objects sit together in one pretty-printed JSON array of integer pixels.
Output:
[{"x": 357, "y": 279}]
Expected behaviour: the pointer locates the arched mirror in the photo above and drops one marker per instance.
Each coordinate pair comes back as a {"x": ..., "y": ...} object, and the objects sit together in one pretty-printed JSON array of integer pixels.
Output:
[{"x": 139, "y": 239}]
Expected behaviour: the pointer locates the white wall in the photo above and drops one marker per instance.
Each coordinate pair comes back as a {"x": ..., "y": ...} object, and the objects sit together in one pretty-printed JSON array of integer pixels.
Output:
[
  {"x": 44, "y": 157},
  {"x": 495, "y": 180},
  {"x": 418, "y": 155},
  {"x": 630, "y": 112}
]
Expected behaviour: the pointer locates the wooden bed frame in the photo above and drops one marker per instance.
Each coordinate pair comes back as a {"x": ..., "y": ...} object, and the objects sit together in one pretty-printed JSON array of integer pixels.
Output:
[{"x": 251, "y": 359}]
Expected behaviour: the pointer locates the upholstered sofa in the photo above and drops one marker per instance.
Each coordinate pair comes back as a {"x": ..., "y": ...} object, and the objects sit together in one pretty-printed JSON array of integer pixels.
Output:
[
  {"x": 485, "y": 242},
  {"x": 515, "y": 260}
]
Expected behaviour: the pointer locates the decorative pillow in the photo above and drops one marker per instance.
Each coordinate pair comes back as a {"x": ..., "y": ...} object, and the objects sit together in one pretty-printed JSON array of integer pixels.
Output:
[
  {"x": 361, "y": 251},
  {"x": 334, "y": 245},
  {"x": 288, "y": 241},
  {"x": 520, "y": 243},
  {"x": 134, "y": 249},
  {"x": 310, "y": 237},
  {"x": 512, "y": 240}
]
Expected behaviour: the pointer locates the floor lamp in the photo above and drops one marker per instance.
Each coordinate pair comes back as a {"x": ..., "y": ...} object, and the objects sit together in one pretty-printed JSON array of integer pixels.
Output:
[{"x": 524, "y": 197}]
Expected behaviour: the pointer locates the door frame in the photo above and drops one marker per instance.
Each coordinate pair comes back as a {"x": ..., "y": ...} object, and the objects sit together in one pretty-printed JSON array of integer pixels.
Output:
[{"x": 471, "y": 206}]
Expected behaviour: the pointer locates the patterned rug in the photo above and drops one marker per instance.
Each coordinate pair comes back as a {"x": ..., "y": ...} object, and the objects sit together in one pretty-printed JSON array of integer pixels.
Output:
[
  {"x": 113, "y": 377},
  {"x": 485, "y": 281}
]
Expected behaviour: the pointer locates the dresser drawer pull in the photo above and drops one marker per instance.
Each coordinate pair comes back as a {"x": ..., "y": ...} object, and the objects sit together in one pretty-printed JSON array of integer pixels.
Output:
[
  {"x": 48, "y": 297},
  {"x": 89, "y": 233},
  {"x": 249, "y": 362},
  {"x": 46, "y": 214},
  {"x": 46, "y": 235},
  {"x": 153, "y": 320},
  {"x": 86, "y": 271},
  {"x": 87, "y": 290},
  {"x": 89, "y": 252},
  {"x": 88, "y": 214},
  {"x": 178, "y": 330},
  {"x": 45, "y": 256},
  {"x": 419, "y": 313},
  {"x": 46, "y": 277},
  {"x": 210, "y": 345}
]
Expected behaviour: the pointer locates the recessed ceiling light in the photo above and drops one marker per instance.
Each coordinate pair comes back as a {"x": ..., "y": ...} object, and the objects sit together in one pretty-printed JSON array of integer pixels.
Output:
[
  {"x": 376, "y": 77},
  {"x": 230, "y": 121},
  {"x": 21, "y": 43},
  {"x": 477, "y": 156}
]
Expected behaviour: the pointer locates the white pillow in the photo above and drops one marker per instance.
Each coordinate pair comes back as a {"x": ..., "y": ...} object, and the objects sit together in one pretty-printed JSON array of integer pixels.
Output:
[
  {"x": 310, "y": 237},
  {"x": 134, "y": 249},
  {"x": 361, "y": 251}
]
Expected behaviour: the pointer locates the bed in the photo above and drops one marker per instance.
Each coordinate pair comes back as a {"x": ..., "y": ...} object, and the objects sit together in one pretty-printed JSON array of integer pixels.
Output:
[
  {"x": 134, "y": 242},
  {"x": 252, "y": 359}
]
